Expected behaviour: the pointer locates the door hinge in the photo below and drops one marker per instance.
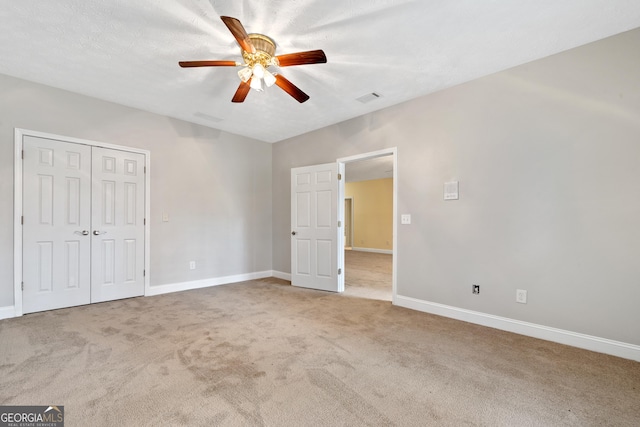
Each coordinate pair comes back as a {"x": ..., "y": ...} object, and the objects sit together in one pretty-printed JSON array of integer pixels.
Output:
[
  {"x": 22, "y": 220},
  {"x": 22, "y": 155},
  {"x": 339, "y": 176},
  {"x": 339, "y": 271},
  {"x": 145, "y": 169},
  {"x": 144, "y": 273},
  {"x": 22, "y": 286},
  {"x": 339, "y": 224},
  {"x": 144, "y": 221}
]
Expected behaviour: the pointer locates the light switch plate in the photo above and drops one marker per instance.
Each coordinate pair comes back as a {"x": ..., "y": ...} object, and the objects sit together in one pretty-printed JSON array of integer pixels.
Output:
[
  {"x": 165, "y": 217},
  {"x": 451, "y": 190},
  {"x": 405, "y": 219}
]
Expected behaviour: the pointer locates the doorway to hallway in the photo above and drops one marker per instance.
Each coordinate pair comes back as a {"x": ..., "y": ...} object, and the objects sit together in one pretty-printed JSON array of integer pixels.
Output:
[{"x": 370, "y": 232}]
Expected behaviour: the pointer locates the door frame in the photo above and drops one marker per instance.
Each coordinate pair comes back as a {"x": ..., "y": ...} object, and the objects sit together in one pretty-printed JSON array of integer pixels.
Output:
[
  {"x": 393, "y": 151},
  {"x": 19, "y": 134},
  {"x": 349, "y": 220}
]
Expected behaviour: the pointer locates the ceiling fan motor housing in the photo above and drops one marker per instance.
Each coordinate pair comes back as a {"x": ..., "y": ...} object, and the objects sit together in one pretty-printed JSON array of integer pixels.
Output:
[{"x": 265, "y": 51}]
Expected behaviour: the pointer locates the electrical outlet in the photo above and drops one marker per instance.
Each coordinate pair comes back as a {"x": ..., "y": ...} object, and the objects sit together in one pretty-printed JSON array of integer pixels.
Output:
[
  {"x": 521, "y": 296},
  {"x": 475, "y": 289},
  {"x": 192, "y": 265}
]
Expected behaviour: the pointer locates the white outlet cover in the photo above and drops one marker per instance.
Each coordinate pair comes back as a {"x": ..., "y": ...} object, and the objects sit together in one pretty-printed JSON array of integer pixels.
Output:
[
  {"x": 521, "y": 296},
  {"x": 405, "y": 219}
]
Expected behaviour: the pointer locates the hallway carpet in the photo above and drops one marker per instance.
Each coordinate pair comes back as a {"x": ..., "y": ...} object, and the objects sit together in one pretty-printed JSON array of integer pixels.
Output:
[{"x": 368, "y": 275}]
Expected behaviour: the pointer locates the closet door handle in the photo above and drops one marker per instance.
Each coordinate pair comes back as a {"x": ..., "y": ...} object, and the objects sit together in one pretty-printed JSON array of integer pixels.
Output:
[
  {"x": 97, "y": 233},
  {"x": 293, "y": 233},
  {"x": 83, "y": 232}
]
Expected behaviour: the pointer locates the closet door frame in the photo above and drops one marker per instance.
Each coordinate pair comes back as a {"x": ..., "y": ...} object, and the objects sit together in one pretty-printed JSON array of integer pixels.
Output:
[{"x": 19, "y": 135}]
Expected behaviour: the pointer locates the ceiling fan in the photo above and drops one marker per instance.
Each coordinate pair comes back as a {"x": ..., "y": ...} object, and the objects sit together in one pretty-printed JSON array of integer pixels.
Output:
[{"x": 258, "y": 52}]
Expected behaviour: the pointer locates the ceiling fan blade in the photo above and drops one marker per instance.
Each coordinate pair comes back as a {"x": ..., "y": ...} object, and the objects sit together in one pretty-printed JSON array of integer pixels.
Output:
[
  {"x": 185, "y": 64},
  {"x": 239, "y": 33},
  {"x": 291, "y": 89},
  {"x": 242, "y": 92},
  {"x": 302, "y": 58}
]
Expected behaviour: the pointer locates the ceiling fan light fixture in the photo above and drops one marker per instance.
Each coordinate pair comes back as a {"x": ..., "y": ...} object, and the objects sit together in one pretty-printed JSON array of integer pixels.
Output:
[
  {"x": 258, "y": 70},
  {"x": 269, "y": 79},
  {"x": 245, "y": 74},
  {"x": 256, "y": 84}
]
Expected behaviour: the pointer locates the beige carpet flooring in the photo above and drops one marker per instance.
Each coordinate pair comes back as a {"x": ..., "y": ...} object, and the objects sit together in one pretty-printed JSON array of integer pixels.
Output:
[{"x": 266, "y": 353}]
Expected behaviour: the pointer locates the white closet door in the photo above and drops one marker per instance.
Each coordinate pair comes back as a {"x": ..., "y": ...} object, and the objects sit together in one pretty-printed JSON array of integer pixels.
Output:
[
  {"x": 117, "y": 248},
  {"x": 57, "y": 223}
]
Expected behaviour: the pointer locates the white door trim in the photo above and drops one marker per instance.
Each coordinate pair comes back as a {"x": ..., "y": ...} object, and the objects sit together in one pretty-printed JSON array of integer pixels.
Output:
[
  {"x": 350, "y": 221},
  {"x": 372, "y": 155},
  {"x": 17, "y": 205}
]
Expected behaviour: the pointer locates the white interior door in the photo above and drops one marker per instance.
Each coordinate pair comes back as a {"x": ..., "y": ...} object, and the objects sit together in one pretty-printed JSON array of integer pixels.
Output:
[
  {"x": 117, "y": 265},
  {"x": 56, "y": 224},
  {"x": 316, "y": 241}
]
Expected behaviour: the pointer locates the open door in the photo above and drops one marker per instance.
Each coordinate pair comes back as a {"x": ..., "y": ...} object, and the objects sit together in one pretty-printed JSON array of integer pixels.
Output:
[{"x": 317, "y": 253}]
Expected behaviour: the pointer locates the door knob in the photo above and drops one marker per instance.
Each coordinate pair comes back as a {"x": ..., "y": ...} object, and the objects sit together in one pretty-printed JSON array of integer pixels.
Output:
[
  {"x": 293, "y": 233},
  {"x": 97, "y": 233},
  {"x": 82, "y": 233}
]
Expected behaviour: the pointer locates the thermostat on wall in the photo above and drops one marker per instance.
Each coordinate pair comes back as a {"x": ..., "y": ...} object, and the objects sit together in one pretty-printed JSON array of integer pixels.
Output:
[{"x": 451, "y": 190}]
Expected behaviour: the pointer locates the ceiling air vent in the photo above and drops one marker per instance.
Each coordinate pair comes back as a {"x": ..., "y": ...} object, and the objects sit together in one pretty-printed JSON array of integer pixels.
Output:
[
  {"x": 208, "y": 117},
  {"x": 368, "y": 97}
]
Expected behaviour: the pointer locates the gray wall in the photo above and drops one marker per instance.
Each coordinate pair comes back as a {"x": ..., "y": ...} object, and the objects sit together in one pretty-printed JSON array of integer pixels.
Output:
[
  {"x": 216, "y": 187},
  {"x": 548, "y": 159}
]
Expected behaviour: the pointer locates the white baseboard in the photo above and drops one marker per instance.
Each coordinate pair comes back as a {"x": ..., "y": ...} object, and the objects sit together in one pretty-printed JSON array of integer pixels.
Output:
[
  {"x": 205, "y": 283},
  {"x": 588, "y": 342},
  {"x": 281, "y": 275},
  {"x": 7, "y": 312},
  {"x": 377, "y": 251}
]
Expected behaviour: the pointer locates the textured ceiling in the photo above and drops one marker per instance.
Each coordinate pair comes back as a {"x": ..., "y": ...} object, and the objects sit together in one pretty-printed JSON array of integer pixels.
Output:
[
  {"x": 364, "y": 170},
  {"x": 126, "y": 51}
]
